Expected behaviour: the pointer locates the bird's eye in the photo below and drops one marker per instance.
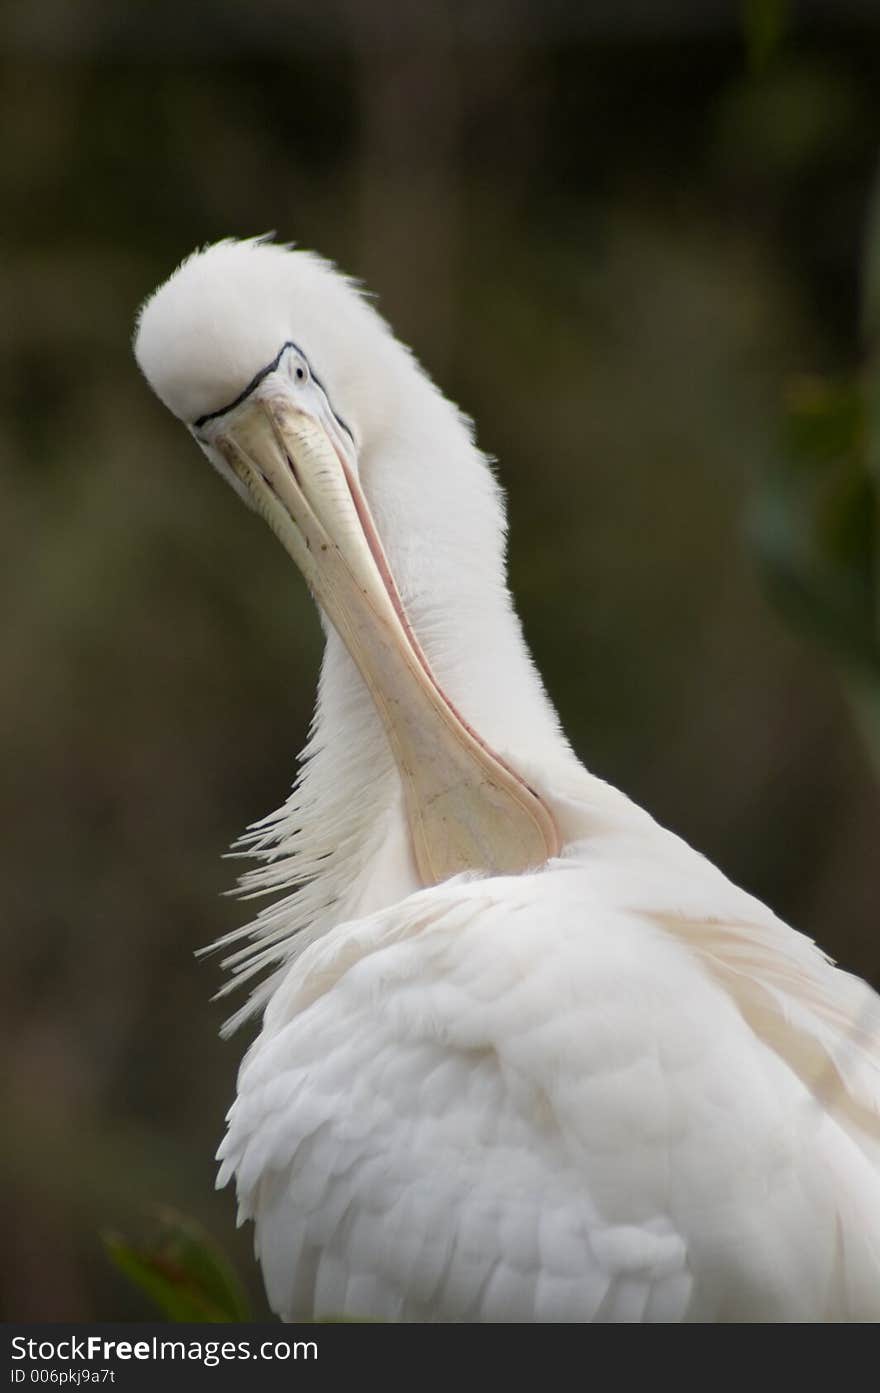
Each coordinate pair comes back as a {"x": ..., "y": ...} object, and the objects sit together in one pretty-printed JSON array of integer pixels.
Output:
[{"x": 300, "y": 373}]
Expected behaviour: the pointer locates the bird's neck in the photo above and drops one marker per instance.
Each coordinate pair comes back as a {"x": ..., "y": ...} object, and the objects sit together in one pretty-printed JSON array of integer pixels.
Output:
[
  {"x": 440, "y": 514},
  {"x": 341, "y": 843}
]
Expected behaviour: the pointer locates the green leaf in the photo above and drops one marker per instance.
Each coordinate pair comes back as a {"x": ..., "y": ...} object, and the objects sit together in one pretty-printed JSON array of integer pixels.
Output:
[
  {"x": 814, "y": 523},
  {"x": 765, "y": 25},
  {"x": 815, "y": 529},
  {"x": 182, "y": 1271}
]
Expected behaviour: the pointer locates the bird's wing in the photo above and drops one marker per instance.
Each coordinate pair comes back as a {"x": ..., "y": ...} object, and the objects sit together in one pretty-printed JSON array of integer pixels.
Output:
[
  {"x": 400, "y": 1163},
  {"x": 509, "y": 1100},
  {"x": 822, "y": 1021}
]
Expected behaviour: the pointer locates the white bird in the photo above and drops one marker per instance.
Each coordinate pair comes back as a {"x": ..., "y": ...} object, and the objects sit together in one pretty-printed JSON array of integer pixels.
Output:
[{"x": 524, "y": 1054}]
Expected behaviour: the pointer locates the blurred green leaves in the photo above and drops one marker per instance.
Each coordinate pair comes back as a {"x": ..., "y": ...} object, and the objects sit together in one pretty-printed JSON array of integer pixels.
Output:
[
  {"x": 765, "y": 25},
  {"x": 815, "y": 522},
  {"x": 815, "y": 519},
  {"x": 182, "y": 1271}
]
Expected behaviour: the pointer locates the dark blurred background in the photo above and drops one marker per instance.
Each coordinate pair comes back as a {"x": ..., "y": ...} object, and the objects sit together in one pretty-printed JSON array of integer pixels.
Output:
[{"x": 615, "y": 233}]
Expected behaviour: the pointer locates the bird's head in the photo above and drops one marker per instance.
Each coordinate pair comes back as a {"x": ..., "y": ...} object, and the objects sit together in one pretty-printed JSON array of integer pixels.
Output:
[
  {"x": 287, "y": 378},
  {"x": 243, "y": 323}
]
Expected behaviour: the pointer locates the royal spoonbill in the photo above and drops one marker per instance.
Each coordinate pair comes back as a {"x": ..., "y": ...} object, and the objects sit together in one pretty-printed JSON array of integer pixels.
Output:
[{"x": 523, "y": 1055}]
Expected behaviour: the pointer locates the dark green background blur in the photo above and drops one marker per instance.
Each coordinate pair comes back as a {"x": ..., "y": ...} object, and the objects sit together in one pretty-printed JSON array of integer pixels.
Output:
[{"x": 614, "y": 243}]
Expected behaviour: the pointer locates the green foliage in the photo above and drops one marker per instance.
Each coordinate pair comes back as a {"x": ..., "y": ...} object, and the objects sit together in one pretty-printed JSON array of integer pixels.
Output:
[
  {"x": 765, "y": 25},
  {"x": 816, "y": 514},
  {"x": 182, "y": 1271},
  {"x": 814, "y": 523},
  {"x": 815, "y": 528}
]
